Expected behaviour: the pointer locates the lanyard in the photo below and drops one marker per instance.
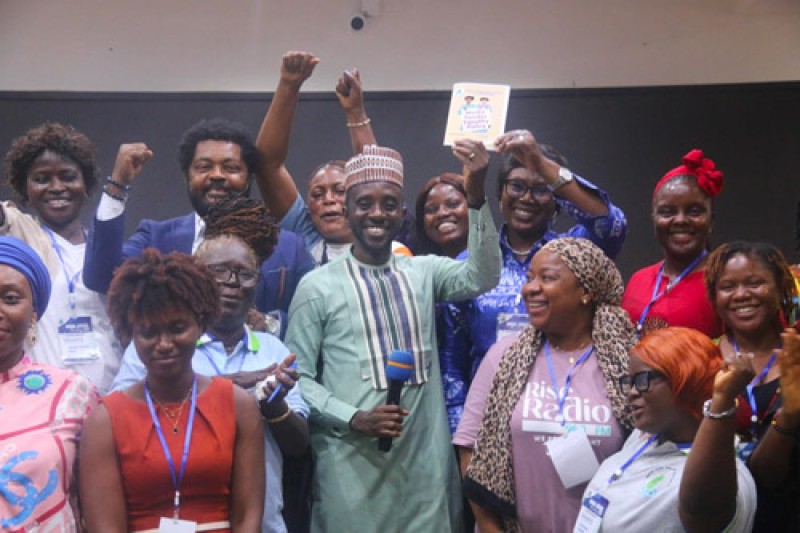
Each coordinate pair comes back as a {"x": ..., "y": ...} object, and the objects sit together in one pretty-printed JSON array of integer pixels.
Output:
[
  {"x": 563, "y": 397},
  {"x": 621, "y": 470},
  {"x": 176, "y": 478},
  {"x": 751, "y": 397},
  {"x": 211, "y": 359},
  {"x": 71, "y": 280},
  {"x": 671, "y": 285}
]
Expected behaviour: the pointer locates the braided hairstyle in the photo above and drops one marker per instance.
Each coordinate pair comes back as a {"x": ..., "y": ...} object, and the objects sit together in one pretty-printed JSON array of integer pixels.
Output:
[
  {"x": 246, "y": 219},
  {"x": 144, "y": 286}
]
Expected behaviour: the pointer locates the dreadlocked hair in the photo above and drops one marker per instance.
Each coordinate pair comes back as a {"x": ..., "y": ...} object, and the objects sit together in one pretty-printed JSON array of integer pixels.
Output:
[
  {"x": 247, "y": 219},
  {"x": 148, "y": 284}
]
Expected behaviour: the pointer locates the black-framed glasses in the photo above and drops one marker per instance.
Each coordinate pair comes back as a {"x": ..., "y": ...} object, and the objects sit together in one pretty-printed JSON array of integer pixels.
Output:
[
  {"x": 640, "y": 380},
  {"x": 224, "y": 274},
  {"x": 517, "y": 189}
]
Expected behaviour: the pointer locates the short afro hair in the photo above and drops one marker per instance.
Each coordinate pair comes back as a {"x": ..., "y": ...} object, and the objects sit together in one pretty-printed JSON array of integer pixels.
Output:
[
  {"x": 217, "y": 129},
  {"x": 61, "y": 139},
  {"x": 146, "y": 285}
]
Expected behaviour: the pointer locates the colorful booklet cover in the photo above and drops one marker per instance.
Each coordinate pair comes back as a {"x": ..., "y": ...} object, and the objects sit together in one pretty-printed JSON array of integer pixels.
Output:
[{"x": 478, "y": 112}]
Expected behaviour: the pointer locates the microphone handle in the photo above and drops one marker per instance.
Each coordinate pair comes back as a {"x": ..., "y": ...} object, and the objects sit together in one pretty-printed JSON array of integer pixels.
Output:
[{"x": 392, "y": 398}]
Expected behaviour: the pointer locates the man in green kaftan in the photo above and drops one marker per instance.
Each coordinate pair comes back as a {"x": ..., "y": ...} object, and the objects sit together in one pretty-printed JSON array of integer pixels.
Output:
[{"x": 344, "y": 321}]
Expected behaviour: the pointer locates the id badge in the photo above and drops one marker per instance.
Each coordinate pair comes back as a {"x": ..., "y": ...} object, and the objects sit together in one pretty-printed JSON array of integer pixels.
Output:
[
  {"x": 176, "y": 525},
  {"x": 573, "y": 458},
  {"x": 511, "y": 323},
  {"x": 78, "y": 342},
  {"x": 590, "y": 518}
]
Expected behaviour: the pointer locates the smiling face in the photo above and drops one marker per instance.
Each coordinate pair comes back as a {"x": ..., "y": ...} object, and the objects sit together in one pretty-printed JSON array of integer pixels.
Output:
[
  {"x": 375, "y": 213},
  {"x": 446, "y": 218},
  {"x": 747, "y": 297},
  {"x": 16, "y": 315},
  {"x": 55, "y": 189},
  {"x": 528, "y": 216},
  {"x": 682, "y": 218},
  {"x": 226, "y": 254},
  {"x": 553, "y": 296},
  {"x": 217, "y": 171},
  {"x": 326, "y": 195},
  {"x": 166, "y": 341}
]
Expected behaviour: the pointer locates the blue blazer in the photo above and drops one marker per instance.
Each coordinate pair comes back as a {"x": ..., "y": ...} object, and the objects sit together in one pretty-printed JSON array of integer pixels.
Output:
[{"x": 106, "y": 249}]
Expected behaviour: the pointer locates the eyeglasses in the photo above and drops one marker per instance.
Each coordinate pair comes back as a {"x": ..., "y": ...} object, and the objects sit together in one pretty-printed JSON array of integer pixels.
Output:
[
  {"x": 517, "y": 189},
  {"x": 640, "y": 380},
  {"x": 224, "y": 274}
]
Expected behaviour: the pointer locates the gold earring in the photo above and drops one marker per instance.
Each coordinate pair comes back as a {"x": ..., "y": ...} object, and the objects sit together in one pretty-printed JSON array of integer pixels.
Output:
[{"x": 585, "y": 300}]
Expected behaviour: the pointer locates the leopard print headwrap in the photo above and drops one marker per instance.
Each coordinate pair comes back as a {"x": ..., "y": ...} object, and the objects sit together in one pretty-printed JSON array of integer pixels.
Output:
[{"x": 489, "y": 479}]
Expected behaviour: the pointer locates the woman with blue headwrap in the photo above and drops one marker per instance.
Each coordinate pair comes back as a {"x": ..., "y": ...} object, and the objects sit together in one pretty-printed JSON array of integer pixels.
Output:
[{"x": 42, "y": 408}]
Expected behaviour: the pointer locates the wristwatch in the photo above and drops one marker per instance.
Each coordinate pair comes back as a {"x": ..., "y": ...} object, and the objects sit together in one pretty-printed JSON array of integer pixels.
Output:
[{"x": 564, "y": 176}]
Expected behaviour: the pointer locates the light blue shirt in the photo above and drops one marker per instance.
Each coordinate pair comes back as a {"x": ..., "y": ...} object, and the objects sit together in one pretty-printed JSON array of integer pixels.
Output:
[{"x": 255, "y": 351}]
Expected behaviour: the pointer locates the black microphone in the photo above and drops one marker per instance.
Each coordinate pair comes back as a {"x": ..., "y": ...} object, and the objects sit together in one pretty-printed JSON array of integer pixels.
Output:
[{"x": 399, "y": 369}]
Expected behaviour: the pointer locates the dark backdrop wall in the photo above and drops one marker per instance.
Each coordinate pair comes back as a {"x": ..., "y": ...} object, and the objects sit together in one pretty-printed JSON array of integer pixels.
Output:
[{"x": 622, "y": 139}]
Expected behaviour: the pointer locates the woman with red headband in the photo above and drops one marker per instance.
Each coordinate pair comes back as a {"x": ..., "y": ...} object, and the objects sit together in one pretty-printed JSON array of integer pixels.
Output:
[{"x": 671, "y": 292}]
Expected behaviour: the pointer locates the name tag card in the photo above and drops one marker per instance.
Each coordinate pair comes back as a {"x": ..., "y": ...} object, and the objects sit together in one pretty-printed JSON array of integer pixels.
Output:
[
  {"x": 175, "y": 525},
  {"x": 78, "y": 342},
  {"x": 573, "y": 458}
]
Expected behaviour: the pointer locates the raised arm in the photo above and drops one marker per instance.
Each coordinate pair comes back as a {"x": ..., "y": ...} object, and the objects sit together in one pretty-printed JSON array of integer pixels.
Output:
[
  {"x": 274, "y": 181},
  {"x": 522, "y": 146},
  {"x": 104, "y": 248},
  {"x": 709, "y": 485},
  {"x": 351, "y": 97},
  {"x": 771, "y": 460}
]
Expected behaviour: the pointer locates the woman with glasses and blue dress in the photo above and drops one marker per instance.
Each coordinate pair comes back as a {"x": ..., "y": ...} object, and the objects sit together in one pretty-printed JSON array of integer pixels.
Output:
[
  {"x": 534, "y": 186},
  {"x": 678, "y": 470}
]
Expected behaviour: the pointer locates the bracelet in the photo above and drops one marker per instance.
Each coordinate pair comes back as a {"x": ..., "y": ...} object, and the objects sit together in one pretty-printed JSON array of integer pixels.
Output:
[
  {"x": 279, "y": 418},
  {"x": 783, "y": 431},
  {"x": 117, "y": 184},
  {"x": 117, "y": 197},
  {"x": 717, "y": 416},
  {"x": 364, "y": 122}
]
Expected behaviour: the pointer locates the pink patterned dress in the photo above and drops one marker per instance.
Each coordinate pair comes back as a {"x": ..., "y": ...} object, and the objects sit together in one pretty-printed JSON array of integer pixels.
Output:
[{"x": 42, "y": 410}]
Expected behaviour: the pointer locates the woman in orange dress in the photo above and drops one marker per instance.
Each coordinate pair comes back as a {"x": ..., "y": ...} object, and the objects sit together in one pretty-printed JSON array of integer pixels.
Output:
[{"x": 165, "y": 453}]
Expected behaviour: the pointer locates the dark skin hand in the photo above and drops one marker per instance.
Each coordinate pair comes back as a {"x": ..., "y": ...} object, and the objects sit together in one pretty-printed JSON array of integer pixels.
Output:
[{"x": 381, "y": 421}]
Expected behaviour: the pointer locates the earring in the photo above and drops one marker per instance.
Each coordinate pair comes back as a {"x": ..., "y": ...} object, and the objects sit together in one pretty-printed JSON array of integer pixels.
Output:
[
  {"x": 585, "y": 300},
  {"x": 32, "y": 332}
]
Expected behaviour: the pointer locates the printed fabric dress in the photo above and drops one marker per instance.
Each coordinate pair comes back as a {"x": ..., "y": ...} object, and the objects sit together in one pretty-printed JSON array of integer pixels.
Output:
[{"x": 42, "y": 410}]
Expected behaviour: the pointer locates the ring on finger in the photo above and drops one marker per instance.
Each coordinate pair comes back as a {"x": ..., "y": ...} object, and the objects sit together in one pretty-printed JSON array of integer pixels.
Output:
[
  {"x": 520, "y": 137},
  {"x": 471, "y": 156}
]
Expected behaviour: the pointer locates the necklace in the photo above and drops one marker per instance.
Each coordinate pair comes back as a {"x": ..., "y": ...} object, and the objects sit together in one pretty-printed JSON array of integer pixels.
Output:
[
  {"x": 571, "y": 353},
  {"x": 174, "y": 416},
  {"x": 521, "y": 252}
]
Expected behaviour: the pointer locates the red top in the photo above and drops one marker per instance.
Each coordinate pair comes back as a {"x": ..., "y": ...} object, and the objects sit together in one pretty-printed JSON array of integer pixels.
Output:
[
  {"x": 206, "y": 487},
  {"x": 685, "y": 305}
]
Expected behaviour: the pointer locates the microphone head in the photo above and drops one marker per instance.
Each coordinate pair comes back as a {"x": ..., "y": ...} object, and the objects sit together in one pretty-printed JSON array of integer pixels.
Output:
[{"x": 399, "y": 366}]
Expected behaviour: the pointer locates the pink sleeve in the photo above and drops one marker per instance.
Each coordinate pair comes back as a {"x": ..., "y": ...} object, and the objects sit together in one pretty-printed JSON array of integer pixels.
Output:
[{"x": 467, "y": 432}]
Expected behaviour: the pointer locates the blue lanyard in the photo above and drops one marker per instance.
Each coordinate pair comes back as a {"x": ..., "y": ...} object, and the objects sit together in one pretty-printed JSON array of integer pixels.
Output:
[
  {"x": 563, "y": 397},
  {"x": 176, "y": 478},
  {"x": 751, "y": 397},
  {"x": 71, "y": 280},
  {"x": 621, "y": 470},
  {"x": 211, "y": 360},
  {"x": 671, "y": 285}
]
